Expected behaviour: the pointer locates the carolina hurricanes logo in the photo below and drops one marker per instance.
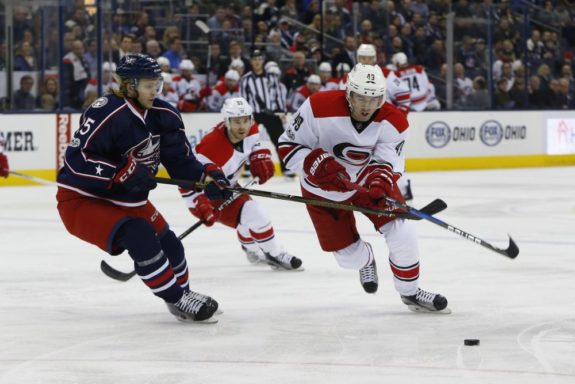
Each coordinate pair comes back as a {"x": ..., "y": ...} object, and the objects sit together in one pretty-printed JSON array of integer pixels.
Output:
[{"x": 351, "y": 154}]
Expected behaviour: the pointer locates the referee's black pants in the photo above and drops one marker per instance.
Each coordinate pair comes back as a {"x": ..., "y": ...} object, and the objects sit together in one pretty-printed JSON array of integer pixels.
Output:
[{"x": 274, "y": 126}]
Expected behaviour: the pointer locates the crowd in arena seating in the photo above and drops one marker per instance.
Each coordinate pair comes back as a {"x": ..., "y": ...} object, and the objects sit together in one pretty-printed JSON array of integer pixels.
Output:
[{"x": 205, "y": 45}]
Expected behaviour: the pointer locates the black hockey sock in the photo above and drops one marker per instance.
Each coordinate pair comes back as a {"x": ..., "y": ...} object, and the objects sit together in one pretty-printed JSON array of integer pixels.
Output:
[
  {"x": 174, "y": 251},
  {"x": 150, "y": 263}
]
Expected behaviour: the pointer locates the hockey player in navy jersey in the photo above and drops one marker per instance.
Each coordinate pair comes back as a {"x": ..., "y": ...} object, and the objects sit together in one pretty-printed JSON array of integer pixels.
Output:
[
  {"x": 104, "y": 184},
  {"x": 230, "y": 145},
  {"x": 348, "y": 147}
]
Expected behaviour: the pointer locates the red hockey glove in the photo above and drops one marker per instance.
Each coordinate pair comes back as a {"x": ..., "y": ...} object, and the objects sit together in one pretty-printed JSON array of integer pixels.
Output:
[
  {"x": 323, "y": 170},
  {"x": 135, "y": 177},
  {"x": 217, "y": 183},
  {"x": 205, "y": 211},
  {"x": 261, "y": 165},
  {"x": 380, "y": 182},
  {"x": 4, "y": 167}
]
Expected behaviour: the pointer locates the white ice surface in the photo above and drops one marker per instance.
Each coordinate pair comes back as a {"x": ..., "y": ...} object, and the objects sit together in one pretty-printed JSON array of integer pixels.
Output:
[{"x": 62, "y": 321}]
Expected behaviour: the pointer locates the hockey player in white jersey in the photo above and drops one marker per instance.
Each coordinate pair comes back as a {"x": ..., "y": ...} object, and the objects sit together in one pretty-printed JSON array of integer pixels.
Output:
[
  {"x": 187, "y": 87},
  {"x": 416, "y": 79},
  {"x": 312, "y": 85},
  {"x": 397, "y": 93},
  {"x": 231, "y": 144},
  {"x": 348, "y": 147}
]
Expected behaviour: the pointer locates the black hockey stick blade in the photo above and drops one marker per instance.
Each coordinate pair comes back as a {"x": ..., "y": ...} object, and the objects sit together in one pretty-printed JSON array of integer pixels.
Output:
[
  {"x": 513, "y": 250},
  {"x": 114, "y": 273},
  {"x": 432, "y": 208}
]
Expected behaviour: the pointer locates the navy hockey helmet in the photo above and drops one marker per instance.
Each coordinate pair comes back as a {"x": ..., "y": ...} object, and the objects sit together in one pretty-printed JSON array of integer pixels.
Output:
[{"x": 138, "y": 66}]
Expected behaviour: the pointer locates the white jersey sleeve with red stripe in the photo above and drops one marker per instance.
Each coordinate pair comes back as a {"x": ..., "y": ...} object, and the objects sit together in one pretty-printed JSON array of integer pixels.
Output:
[
  {"x": 416, "y": 79},
  {"x": 216, "y": 148},
  {"x": 323, "y": 121}
]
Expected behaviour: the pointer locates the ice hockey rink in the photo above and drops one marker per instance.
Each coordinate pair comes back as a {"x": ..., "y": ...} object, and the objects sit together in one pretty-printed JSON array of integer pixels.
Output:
[{"x": 62, "y": 321}]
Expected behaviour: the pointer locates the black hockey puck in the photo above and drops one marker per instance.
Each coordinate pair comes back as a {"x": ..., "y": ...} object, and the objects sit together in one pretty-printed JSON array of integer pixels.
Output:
[{"x": 471, "y": 341}]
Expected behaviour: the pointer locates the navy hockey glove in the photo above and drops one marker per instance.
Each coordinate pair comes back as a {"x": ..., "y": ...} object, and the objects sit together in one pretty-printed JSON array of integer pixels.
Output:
[
  {"x": 323, "y": 170},
  {"x": 133, "y": 176},
  {"x": 261, "y": 165},
  {"x": 217, "y": 183}
]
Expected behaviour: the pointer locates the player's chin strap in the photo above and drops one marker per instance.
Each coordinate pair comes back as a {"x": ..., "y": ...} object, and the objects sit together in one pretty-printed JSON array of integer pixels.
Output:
[{"x": 125, "y": 276}]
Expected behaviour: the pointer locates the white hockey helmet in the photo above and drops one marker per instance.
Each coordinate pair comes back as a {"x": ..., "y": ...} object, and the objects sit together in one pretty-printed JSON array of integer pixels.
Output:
[
  {"x": 399, "y": 59},
  {"x": 270, "y": 64},
  {"x": 236, "y": 63},
  {"x": 109, "y": 66},
  {"x": 167, "y": 78},
  {"x": 367, "y": 80},
  {"x": 325, "y": 67},
  {"x": 232, "y": 74},
  {"x": 343, "y": 68},
  {"x": 273, "y": 68},
  {"x": 163, "y": 60},
  {"x": 366, "y": 50},
  {"x": 235, "y": 107},
  {"x": 314, "y": 79},
  {"x": 187, "y": 65}
]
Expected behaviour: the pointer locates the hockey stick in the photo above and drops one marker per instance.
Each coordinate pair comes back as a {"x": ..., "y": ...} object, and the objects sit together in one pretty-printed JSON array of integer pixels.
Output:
[
  {"x": 32, "y": 178},
  {"x": 298, "y": 199},
  {"x": 125, "y": 276},
  {"x": 512, "y": 250}
]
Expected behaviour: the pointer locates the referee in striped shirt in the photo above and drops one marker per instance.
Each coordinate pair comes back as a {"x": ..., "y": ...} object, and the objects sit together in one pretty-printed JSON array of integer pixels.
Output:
[{"x": 263, "y": 93}]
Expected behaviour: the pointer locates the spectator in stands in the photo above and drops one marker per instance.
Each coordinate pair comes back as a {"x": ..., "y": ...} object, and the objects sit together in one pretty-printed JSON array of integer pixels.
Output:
[
  {"x": 169, "y": 34},
  {"x": 22, "y": 98},
  {"x": 435, "y": 56},
  {"x": 76, "y": 76},
  {"x": 348, "y": 54},
  {"x": 153, "y": 49},
  {"x": 535, "y": 49},
  {"x": 47, "y": 103},
  {"x": 274, "y": 50},
  {"x": 124, "y": 49},
  {"x": 503, "y": 99},
  {"x": 20, "y": 22},
  {"x": 238, "y": 66},
  {"x": 289, "y": 9},
  {"x": 479, "y": 98},
  {"x": 142, "y": 21},
  {"x": 175, "y": 52},
  {"x": 235, "y": 53},
  {"x": 566, "y": 95},
  {"x": 50, "y": 88},
  {"x": 287, "y": 37},
  {"x": 538, "y": 98},
  {"x": 518, "y": 93},
  {"x": 25, "y": 59},
  {"x": 216, "y": 21},
  {"x": 296, "y": 75},
  {"x": 463, "y": 85}
]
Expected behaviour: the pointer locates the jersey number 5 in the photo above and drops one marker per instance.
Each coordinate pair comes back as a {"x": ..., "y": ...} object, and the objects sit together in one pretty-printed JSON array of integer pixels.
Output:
[{"x": 86, "y": 126}]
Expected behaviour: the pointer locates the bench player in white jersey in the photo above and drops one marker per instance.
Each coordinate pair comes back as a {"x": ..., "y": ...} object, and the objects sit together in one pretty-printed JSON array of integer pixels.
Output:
[
  {"x": 347, "y": 147},
  {"x": 397, "y": 93},
  {"x": 187, "y": 87},
  {"x": 416, "y": 79},
  {"x": 231, "y": 144}
]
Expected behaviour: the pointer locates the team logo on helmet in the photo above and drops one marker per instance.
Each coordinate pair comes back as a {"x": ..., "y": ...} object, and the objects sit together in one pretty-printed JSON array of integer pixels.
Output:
[{"x": 352, "y": 154}]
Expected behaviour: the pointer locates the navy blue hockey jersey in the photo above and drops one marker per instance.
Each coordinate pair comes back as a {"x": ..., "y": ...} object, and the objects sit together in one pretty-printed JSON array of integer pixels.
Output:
[{"x": 112, "y": 128}]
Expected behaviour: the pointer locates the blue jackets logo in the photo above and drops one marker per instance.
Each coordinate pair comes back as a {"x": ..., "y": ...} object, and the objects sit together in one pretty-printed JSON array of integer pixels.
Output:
[{"x": 438, "y": 134}]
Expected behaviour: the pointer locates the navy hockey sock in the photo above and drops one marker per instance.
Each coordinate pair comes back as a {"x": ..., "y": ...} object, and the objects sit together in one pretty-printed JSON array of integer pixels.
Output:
[
  {"x": 150, "y": 263},
  {"x": 174, "y": 251}
]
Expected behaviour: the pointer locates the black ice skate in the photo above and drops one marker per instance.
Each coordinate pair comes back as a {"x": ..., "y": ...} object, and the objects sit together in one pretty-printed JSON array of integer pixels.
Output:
[
  {"x": 253, "y": 257},
  {"x": 193, "y": 306},
  {"x": 424, "y": 301},
  {"x": 368, "y": 277},
  {"x": 283, "y": 261}
]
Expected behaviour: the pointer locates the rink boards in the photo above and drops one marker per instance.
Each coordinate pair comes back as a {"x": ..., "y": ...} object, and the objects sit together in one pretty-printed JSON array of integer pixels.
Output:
[{"x": 35, "y": 143}]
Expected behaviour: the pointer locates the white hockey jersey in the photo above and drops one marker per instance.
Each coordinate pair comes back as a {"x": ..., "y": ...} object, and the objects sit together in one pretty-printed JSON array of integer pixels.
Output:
[
  {"x": 188, "y": 90},
  {"x": 324, "y": 121},
  {"x": 220, "y": 93},
  {"x": 416, "y": 79},
  {"x": 216, "y": 148}
]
